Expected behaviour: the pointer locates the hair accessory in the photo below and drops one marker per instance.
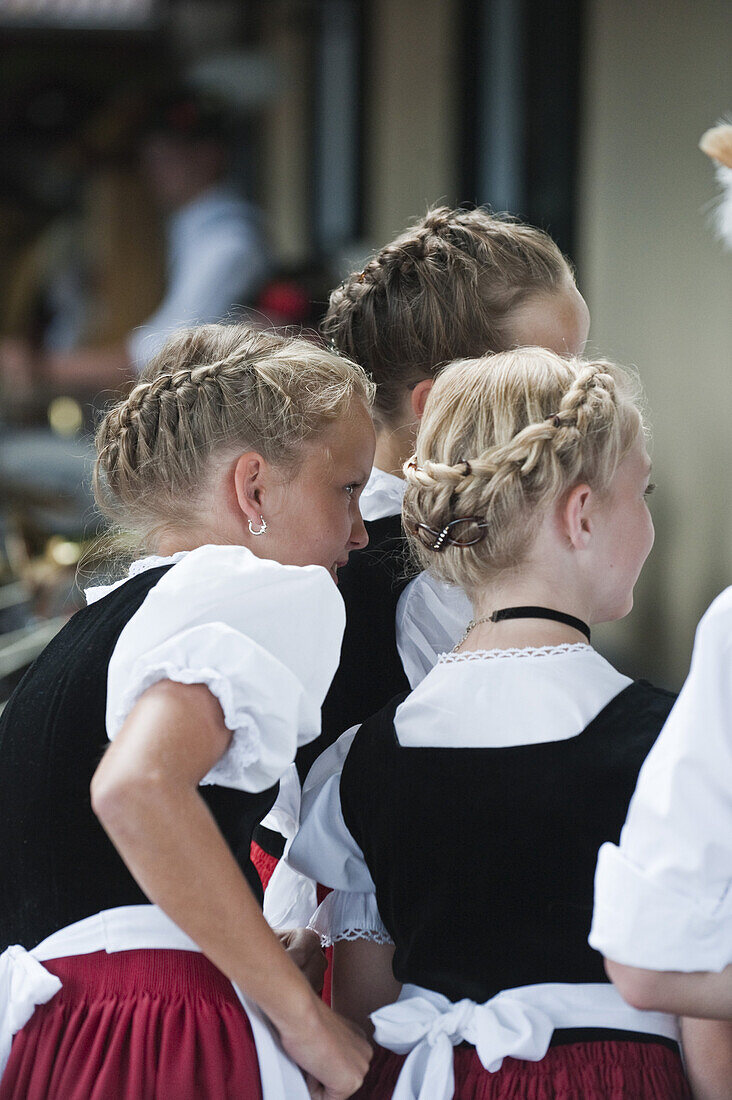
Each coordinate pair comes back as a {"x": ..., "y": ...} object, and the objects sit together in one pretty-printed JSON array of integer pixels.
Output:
[
  {"x": 262, "y": 526},
  {"x": 529, "y": 613},
  {"x": 555, "y": 419},
  {"x": 450, "y": 534},
  {"x": 468, "y": 469}
]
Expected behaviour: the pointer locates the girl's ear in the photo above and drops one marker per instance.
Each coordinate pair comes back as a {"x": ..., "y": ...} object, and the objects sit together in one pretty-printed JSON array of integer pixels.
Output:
[
  {"x": 576, "y": 516},
  {"x": 249, "y": 477},
  {"x": 419, "y": 396}
]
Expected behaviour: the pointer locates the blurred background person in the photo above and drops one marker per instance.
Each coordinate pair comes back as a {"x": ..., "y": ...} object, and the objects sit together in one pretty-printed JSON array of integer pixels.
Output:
[{"x": 216, "y": 258}]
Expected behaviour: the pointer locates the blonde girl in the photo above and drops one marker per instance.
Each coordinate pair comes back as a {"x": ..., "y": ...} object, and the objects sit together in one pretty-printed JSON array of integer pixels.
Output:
[
  {"x": 457, "y": 283},
  {"x": 237, "y": 461},
  {"x": 464, "y": 819}
]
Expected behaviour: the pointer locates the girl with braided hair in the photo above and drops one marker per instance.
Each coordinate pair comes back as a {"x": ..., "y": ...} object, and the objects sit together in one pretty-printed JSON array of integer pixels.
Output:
[
  {"x": 236, "y": 463},
  {"x": 458, "y": 283},
  {"x": 459, "y": 826}
]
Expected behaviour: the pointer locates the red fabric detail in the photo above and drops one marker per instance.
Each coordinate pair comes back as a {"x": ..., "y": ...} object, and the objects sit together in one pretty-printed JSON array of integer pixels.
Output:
[
  {"x": 263, "y": 862},
  {"x": 286, "y": 298},
  {"x": 135, "y": 1025},
  {"x": 578, "y": 1071}
]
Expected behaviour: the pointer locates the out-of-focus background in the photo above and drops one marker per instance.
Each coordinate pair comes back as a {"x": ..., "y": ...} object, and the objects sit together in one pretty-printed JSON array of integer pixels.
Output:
[{"x": 322, "y": 127}]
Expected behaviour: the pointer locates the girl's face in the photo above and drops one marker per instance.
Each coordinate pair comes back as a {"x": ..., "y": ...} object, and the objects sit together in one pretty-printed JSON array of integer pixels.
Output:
[
  {"x": 559, "y": 321},
  {"x": 623, "y": 534},
  {"x": 313, "y": 518}
]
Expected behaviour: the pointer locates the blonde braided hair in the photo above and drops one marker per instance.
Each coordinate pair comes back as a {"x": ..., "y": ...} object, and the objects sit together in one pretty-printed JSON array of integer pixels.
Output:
[
  {"x": 502, "y": 438},
  {"x": 444, "y": 289},
  {"x": 214, "y": 390}
]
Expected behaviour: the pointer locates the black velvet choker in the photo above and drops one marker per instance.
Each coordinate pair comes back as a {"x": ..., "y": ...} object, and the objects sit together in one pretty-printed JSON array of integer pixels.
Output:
[{"x": 539, "y": 613}]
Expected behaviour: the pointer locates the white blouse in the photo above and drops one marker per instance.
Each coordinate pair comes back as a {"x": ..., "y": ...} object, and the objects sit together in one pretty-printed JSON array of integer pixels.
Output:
[
  {"x": 431, "y": 616},
  {"x": 663, "y": 898},
  {"x": 265, "y": 639},
  {"x": 492, "y": 698}
]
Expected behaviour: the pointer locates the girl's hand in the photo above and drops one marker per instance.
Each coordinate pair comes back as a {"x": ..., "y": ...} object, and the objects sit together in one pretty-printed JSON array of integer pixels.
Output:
[
  {"x": 303, "y": 947},
  {"x": 331, "y": 1052}
]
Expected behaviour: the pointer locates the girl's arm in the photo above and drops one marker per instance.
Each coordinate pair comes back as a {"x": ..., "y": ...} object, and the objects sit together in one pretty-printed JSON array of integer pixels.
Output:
[
  {"x": 704, "y": 994},
  {"x": 145, "y": 795},
  {"x": 708, "y": 1057},
  {"x": 362, "y": 980}
]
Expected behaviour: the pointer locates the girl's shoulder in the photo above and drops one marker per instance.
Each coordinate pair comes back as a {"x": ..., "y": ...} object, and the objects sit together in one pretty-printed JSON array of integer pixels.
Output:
[
  {"x": 215, "y": 575},
  {"x": 716, "y": 623},
  {"x": 217, "y": 568}
]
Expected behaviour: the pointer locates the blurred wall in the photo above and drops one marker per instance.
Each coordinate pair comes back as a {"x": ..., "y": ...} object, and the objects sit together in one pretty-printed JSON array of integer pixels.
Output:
[
  {"x": 285, "y": 137},
  {"x": 659, "y": 286},
  {"x": 411, "y": 140}
]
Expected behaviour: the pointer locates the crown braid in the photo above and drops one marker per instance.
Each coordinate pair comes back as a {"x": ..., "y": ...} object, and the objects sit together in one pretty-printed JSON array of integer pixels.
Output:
[
  {"x": 502, "y": 438},
  {"x": 444, "y": 289},
  {"x": 217, "y": 388}
]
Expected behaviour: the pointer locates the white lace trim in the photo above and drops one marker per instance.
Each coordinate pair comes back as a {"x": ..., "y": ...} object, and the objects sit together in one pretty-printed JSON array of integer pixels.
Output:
[
  {"x": 99, "y": 591},
  {"x": 153, "y": 561},
  {"x": 244, "y": 748},
  {"x": 526, "y": 651},
  {"x": 345, "y": 915},
  {"x": 370, "y": 934}
]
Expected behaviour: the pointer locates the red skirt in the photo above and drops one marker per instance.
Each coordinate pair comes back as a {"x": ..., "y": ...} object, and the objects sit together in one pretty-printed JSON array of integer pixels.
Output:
[
  {"x": 263, "y": 862},
  {"x": 614, "y": 1070},
  {"x": 135, "y": 1025}
]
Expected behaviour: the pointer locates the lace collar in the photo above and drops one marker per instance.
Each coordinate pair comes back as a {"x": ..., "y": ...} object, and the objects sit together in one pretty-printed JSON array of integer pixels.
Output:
[
  {"x": 153, "y": 561},
  {"x": 504, "y": 654}
]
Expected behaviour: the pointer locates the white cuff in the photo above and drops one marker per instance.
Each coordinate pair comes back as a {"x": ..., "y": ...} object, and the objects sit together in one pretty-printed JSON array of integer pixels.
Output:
[
  {"x": 346, "y": 916},
  {"x": 263, "y": 702},
  {"x": 639, "y": 921}
]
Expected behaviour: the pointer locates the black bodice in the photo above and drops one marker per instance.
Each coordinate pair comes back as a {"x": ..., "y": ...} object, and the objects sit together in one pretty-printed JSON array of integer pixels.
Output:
[
  {"x": 57, "y": 864},
  {"x": 370, "y": 671},
  {"x": 484, "y": 859}
]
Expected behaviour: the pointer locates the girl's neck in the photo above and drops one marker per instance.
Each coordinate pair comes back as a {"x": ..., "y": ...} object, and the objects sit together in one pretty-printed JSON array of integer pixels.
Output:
[
  {"x": 524, "y": 633},
  {"x": 394, "y": 446}
]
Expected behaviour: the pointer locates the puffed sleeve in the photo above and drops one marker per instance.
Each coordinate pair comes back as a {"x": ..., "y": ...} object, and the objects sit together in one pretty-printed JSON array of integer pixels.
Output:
[
  {"x": 663, "y": 898},
  {"x": 325, "y": 851},
  {"x": 265, "y": 639},
  {"x": 431, "y": 618}
]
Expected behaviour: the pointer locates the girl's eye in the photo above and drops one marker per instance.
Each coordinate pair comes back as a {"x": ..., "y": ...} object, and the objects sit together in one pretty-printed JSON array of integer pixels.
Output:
[
  {"x": 648, "y": 489},
  {"x": 350, "y": 489}
]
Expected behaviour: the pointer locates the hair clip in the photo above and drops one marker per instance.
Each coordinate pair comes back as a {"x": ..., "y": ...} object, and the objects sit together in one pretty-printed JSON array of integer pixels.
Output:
[
  {"x": 361, "y": 276},
  {"x": 555, "y": 419},
  {"x": 435, "y": 540},
  {"x": 468, "y": 468}
]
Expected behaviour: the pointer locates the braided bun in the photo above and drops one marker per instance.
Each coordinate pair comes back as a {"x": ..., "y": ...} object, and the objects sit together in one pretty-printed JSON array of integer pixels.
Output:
[
  {"x": 502, "y": 438},
  {"x": 444, "y": 289},
  {"x": 213, "y": 390}
]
